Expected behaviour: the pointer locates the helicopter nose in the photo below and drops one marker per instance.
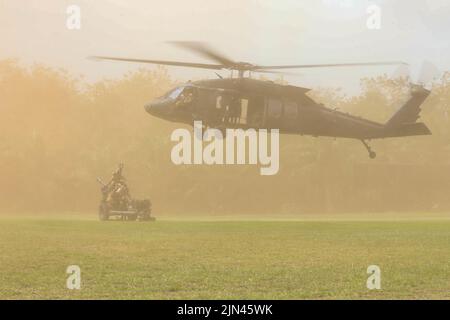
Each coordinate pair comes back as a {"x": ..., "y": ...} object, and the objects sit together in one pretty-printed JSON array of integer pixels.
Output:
[
  {"x": 148, "y": 107},
  {"x": 158, "y": 108},
  {"x": 153, "y": 108}
]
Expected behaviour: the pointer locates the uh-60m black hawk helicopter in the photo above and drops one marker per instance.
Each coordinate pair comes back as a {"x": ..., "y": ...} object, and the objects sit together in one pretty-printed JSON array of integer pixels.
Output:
[{"x": 243, "y": 102}]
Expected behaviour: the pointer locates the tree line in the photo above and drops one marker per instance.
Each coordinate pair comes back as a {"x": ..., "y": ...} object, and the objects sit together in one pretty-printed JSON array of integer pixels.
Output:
[{"x": 58, "y": 133}]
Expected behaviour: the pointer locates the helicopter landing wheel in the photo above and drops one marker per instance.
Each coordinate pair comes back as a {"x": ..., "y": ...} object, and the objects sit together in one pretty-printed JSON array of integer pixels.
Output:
[{"x": 372, "y": 154}]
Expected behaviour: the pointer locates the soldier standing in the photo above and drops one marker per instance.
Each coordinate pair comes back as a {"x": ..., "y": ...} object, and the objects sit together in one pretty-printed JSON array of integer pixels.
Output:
[{"x": 117, "y": 189}]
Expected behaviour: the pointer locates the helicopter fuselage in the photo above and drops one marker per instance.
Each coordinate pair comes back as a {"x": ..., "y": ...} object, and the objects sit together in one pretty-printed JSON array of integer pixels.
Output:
[{"x": 249, "y": 103}]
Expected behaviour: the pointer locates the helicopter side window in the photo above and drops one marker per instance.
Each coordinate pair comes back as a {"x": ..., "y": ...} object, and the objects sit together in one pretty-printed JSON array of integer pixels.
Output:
[{"x": 275, "y": 108}]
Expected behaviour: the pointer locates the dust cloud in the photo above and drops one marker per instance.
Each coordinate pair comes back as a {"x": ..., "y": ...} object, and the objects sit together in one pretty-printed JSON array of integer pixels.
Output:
[{"x": 58, "y": 133}]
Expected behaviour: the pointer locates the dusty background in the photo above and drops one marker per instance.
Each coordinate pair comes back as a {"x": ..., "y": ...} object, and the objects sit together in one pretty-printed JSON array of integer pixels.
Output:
[
  {"x": 64, "y": 120},
  {"x": 58, "y": 133}
]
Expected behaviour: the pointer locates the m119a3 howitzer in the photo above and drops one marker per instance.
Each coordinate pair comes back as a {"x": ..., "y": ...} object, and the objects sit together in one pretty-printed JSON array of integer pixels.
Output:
[{"x": 117, "y": 202}]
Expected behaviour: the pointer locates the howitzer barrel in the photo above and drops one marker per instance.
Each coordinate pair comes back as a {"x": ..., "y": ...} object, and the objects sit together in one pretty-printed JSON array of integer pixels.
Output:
[{"x": 99, "y": 180}]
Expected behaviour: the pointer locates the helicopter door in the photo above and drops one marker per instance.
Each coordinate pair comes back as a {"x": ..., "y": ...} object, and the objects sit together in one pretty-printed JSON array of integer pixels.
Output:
[
  {"x": 235, "y": 110},
  {"x": 221, "y": 107},
  {"x": 230, "y": 108},
  {"x": 209, "y": 107},
  {"x": 243, "y": 111},
  {"x": 255, "y": 112}
]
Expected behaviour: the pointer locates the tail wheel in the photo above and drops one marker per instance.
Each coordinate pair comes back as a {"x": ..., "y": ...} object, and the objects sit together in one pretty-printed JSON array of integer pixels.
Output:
[{"x": 372, "y": 154}]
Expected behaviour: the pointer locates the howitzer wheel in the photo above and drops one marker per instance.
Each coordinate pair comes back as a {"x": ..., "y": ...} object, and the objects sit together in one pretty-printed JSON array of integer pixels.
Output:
[
  {"x": 144, "y": 209},
  {"x": 144, "y": 216},
  {"x": 132, "y": 217}
]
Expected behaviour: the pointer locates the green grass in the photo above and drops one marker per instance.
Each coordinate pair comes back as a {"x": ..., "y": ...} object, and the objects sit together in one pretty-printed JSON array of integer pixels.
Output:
[{"x": 224, "y": 259}]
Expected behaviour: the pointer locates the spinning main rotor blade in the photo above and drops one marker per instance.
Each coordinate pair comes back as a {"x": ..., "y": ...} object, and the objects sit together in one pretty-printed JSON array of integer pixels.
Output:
[
  {"x": 226, "y": 63},
  {"x": 163, "y": 62},
  {"x": 277, "y": 72},
  {"x": 206, "y": 51},
  {"x": 305, "y": 66}
]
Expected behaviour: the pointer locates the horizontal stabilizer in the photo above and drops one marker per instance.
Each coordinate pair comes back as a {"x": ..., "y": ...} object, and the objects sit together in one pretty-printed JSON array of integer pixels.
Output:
[{"x": 407, "y": 130}]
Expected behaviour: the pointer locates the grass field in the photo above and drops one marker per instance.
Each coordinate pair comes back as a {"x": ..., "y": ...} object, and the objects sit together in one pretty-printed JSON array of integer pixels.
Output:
[{"x": 171, "y": 259}]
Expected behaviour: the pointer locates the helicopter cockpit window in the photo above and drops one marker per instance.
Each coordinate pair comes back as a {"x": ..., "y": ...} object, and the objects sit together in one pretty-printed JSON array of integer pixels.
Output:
[
  {"x": 186, "y": 97},
  {"x": 175, "y": 93}
]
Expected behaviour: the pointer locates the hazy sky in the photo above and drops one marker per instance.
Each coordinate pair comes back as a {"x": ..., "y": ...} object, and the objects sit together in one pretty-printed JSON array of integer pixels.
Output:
[{"x": 258, "y": 31}]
